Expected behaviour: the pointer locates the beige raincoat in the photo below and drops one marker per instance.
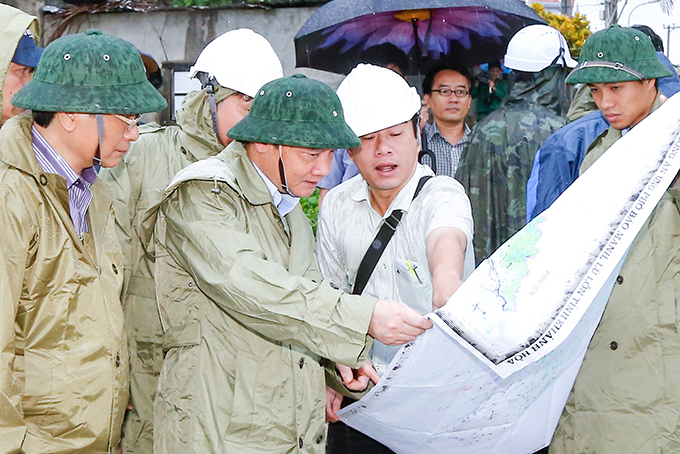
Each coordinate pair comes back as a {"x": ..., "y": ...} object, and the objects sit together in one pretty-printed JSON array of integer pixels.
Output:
[
  {"x": 626, "y": 398},
  {"x": 13, "y": 23},
  {"x": 137, "y": 184},
  {"x": 247, "y": 317},
  {"x": 63, "y": 354}
]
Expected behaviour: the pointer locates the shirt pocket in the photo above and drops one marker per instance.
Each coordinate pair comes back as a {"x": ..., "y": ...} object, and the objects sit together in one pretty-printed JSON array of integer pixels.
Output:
[{"x": 413, "y": 285}]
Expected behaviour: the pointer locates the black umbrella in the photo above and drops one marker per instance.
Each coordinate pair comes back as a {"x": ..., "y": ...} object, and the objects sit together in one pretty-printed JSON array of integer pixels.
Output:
[{"x": 343, "y": 33}]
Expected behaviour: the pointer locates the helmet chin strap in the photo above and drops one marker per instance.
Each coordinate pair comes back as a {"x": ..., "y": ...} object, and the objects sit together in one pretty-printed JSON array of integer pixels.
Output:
[
  {"x": 213, "y": 109},
  {"x": 208, "y": 82},
  {"x": 282, "y": 173},
  {"x": 97, "y": 160}
]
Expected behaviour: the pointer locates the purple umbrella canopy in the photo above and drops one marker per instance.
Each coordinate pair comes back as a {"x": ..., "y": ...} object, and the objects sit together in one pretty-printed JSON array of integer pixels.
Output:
[{"x": 344, "y": 33}]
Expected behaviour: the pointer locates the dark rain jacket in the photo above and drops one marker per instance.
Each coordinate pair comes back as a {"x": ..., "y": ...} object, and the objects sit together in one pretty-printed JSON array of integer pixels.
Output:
[{"x": 496, "y": 164}]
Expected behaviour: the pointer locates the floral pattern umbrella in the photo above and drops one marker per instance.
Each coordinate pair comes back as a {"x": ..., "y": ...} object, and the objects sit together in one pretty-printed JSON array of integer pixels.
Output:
[{"x": 343, "y": 33}]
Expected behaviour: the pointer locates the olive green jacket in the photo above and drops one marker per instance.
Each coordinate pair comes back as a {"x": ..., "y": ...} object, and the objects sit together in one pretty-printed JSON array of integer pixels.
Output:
[
  {"x": 13, "y": 23},
  {"x": 63, "y": 353},
  {"x": 137, "y": 184},
  {"x": 247, "y": 317},
  {"x": 626, "y": 398}
]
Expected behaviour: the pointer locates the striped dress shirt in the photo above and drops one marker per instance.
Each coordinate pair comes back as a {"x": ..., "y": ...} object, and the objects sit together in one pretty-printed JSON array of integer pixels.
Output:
[
  {"x": 447, "y": 155},
  {"x": 79, "y": 192}
]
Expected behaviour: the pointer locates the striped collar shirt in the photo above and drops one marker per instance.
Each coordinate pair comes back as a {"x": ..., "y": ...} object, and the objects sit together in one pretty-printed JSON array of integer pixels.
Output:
[
  {"x": 79, "y": 192},
  {"x": 447, "y": 156}
]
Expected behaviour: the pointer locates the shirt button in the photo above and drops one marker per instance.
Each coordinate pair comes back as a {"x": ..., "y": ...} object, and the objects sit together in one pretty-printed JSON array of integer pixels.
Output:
[
  {"x": 614, "y": 345},
  {"x": 300, "y": 442},
  {"x": 320, "y": 361},
  {"x": 302, "y": 362},
  {"x": 117, "y": 360},
  {"x": 319, "y": 439},
  {"x": 619, "y": 280}
]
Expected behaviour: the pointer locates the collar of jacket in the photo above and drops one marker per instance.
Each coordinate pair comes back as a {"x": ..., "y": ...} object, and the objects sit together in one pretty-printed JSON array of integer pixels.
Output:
[
  {"x": 195, "y": 121},
  {"x": 15, "y": 137},
  {"x": 249, "y": 182}
]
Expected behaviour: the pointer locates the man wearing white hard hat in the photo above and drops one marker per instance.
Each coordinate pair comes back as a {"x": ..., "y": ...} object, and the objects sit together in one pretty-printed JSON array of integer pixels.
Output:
[
  {"x": 423, "y": 224},
  {"x": 497, "y": 161},
  {"x": 231, "y": 68}
]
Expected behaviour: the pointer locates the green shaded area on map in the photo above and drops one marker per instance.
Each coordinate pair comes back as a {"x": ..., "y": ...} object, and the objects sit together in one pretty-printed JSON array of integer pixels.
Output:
[{"x": 514, "y": 264}]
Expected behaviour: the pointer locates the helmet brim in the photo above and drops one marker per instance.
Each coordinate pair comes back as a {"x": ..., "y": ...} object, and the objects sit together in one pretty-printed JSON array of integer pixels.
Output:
[
  {"x": 651, "y": 69},
  {"x": 304, "y": 134},
  {"x": 135, "y": 98}
]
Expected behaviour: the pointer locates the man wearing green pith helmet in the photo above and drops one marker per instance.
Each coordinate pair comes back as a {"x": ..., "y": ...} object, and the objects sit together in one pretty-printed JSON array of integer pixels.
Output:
[
  {"x": 247, "y": 320},
  {"x": 231, "y": 68},
  {"x": 64, "y": 359},
  {"x": 626, "y": 398}
]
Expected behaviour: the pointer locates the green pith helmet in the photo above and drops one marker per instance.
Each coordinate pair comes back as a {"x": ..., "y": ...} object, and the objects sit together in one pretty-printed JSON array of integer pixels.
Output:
[
  {"x": 298, "y": 112},
  {"x": 90, "y": 73},
  {"x": 617, "y": 54}
]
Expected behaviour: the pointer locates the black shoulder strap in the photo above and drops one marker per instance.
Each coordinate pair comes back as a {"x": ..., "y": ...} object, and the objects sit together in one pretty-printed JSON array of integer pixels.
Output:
[{"x": 379, "y": 244}]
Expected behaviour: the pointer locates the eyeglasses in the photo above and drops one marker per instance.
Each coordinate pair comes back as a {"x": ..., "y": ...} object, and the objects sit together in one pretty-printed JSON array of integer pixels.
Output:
[
  {"x": 131, "y": 122},
  {"x": 446, "y": 92}
]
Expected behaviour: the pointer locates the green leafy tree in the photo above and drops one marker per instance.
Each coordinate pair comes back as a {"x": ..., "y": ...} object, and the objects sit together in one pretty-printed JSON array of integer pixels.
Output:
[
  {"x": 310, "y": 205},
  {"x": 575, "y": 29}
]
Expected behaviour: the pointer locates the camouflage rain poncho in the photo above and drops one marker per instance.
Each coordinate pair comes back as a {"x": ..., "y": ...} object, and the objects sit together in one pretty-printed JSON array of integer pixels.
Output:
[{"x": 497, "y": 162}]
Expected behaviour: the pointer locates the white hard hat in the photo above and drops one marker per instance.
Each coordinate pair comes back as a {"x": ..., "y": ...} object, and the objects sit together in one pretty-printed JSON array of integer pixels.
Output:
[
  {"x": 536, "y": 47},
  {"x": 375, "y": 98},
  {"x": 241, "y": 60}
]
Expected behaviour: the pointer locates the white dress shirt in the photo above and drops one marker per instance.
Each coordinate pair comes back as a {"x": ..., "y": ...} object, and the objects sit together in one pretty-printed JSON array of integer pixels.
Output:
[{"x": 348, "y": 224}]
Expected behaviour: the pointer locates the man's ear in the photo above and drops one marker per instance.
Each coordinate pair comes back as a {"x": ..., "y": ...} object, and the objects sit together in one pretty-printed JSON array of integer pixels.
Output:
[
  {"x": 262, "y": 148},
  {"x": 352, "y": 151},
  {"x": 426, "y": 100},
  {"x": 68, "y": 121}
]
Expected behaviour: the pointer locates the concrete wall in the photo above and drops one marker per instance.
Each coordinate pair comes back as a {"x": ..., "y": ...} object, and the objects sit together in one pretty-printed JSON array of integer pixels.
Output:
[
  {"x": 179, "y": 35},
  {"x": 30, "y": 6}
]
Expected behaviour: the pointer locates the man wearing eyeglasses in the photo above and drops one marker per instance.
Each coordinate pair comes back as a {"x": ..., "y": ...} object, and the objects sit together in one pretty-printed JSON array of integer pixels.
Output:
[
  {"x": 447, "y": 93},
  {"x": 64, "y": 359},
  {"x": 231, "y": 68}
]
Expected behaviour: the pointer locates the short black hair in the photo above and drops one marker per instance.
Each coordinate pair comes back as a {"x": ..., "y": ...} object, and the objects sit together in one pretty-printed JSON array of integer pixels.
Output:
[
  {"x": 428, "y": 81},
  {"x": 386, "y": 54},
  {"x": 495, "y": 64},
  {"x": 656, "y": 39},
  {"x": 43, "y": 119}
]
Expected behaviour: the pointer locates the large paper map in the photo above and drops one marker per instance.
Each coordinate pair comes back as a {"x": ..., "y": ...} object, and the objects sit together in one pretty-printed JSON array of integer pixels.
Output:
[{"x": 494, "y": 374}]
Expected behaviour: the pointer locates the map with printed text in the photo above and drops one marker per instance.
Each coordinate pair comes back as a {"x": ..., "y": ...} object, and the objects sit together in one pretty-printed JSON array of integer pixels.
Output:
[{"x": 495, "y": 372}]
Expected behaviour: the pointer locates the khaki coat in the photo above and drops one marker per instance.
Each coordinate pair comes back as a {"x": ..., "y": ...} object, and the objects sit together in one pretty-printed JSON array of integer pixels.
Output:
[
  {"x": 248, "y": 320},
  {"x": 137, "y": 184},
  {"x": 626, "y": 398},
  {"x": 63, "y": 353}
]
